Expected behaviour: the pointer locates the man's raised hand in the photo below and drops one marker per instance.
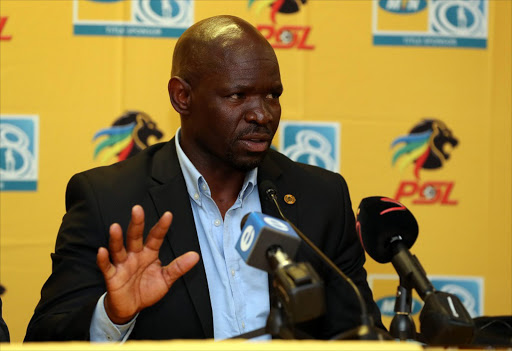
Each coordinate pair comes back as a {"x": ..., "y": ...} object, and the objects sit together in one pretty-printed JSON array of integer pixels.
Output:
[{"x": 134, "y": 275}]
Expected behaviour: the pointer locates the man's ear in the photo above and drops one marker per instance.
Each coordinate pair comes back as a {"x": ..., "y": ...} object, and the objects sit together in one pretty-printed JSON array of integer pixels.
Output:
[{"x": 179, "y": 93}]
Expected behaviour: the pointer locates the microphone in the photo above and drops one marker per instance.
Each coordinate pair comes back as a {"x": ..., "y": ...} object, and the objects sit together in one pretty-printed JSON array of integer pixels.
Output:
[
  {"x": 387, "y": 230},
  {"x": 265, "y": 243},
  {"x": 367, "y": 331},
  {"x": 259, "y": 233}
]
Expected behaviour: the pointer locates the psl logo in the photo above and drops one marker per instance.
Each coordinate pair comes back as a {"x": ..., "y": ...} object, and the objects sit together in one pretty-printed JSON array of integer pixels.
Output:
[
  {"x": 456, "y": 23},
  {"x": 139, "y": 18},
  {"x": 283, "y": 37},
  {"x": 426, "y": 147},
  {"x": 312, "y": 143},
  {"x": 19, "y": 152},
  {"x": 3, "y": 21},
  {"x": 128, "y": 135}
]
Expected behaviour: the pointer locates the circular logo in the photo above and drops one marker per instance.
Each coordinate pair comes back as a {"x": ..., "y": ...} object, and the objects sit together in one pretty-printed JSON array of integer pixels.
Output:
[
  {"x": 312, "y": 148},
  {"x": 247, "y": 238},
  {"x": 462, "y": 18},
  {"x": 286, "y": 37},
  {"x": 429, "y": 192},
  {"x": 162, "y": 12},
  {"x": 276, "y": 223},
  {"x": 18, "y": 161},
  {"x": 464, "y": 295}
]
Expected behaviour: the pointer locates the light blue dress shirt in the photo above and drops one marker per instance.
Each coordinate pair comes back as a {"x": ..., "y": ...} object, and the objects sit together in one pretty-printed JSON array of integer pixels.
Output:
[{"x": 238, "y": 293}]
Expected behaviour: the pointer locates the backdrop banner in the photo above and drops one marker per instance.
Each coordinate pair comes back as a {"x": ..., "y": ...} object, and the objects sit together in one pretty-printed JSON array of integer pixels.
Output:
[{"x": 409, "y": 99}]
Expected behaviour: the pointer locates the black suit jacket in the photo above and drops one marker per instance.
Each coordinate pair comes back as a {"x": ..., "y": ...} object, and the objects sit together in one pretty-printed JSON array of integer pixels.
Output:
[
  {"x": 97, "y": 198},
  {"x": 4, "y": 330}
]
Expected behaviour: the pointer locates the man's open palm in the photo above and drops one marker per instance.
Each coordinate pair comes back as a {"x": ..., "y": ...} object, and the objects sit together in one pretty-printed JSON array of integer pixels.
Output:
[{"x": 134, "y": 275}]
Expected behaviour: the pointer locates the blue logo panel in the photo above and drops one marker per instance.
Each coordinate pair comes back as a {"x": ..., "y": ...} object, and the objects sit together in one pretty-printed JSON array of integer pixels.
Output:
[
  {"x": 313, "y": 143},
  {"x": 19, "y": 150},
  {"x": 146, "y": 18},
  {"x": 468, "y": 289},
  {"x": 445, "y": 23}
]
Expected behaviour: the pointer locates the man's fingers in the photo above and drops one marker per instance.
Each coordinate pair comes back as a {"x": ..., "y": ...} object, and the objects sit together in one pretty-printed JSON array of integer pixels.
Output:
[
  {"x": 180, "y": 266},
  {"x": 135, "y": 230},
  {"x": 157, "y": 234},
  {"x": 115, "y": 244},
  {"x": 104, "y": 264}
]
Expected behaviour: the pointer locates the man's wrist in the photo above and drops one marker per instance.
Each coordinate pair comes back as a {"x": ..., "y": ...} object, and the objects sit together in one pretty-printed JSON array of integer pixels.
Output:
[
  {"x": 102, "y": 329},
  {"x": 113, "y": 318}
]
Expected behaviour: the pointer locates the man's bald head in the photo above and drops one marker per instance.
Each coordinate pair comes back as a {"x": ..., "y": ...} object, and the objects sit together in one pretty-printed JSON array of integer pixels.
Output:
[{"x": 208, "y": 43}]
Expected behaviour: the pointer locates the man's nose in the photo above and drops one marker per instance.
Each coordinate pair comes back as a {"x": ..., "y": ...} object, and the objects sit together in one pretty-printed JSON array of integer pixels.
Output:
[{"x": 259, "y": 112}]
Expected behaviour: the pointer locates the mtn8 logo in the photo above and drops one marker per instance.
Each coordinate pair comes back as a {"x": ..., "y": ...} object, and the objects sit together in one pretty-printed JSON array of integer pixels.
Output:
[
  {"x": 165, "y": 12},
  {"x": 462, "y": 18}
]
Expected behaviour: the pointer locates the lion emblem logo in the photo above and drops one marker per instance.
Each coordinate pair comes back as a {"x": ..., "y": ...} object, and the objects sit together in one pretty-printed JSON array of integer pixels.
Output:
[
  {"x": 128, "y": 135},
  {"x": 282, "y": 6},
  {"x": 427, "y": 146}
]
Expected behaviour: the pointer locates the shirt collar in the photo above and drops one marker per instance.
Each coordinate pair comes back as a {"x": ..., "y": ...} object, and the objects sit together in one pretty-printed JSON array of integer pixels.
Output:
[{"x": 197, "y": 185}]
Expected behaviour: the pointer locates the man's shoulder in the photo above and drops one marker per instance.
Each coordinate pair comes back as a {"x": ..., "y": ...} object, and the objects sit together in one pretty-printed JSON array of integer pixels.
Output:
[{"x": 129, "y": 170}]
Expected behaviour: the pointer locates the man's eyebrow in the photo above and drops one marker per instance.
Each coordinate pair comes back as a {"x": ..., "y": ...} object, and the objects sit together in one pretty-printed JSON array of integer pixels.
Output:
[{"x": 242, "y": 87}]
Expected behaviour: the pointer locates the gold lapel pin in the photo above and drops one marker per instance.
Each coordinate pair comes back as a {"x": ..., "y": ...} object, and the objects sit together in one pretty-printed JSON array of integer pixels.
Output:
[{"x": 289, "y": 199}]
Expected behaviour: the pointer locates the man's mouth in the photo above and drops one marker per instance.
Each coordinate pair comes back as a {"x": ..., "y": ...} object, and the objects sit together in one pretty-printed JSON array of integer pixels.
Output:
[{"x": 256, "y": 144}]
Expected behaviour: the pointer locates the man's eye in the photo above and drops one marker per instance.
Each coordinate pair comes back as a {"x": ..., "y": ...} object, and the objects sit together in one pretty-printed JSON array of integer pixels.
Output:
[
  {"x": 273, "y": 96},
  {"x": 236, "y": 96}
]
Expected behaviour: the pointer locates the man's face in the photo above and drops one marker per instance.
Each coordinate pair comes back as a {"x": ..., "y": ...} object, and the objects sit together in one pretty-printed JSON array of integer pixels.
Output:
[{"x": 235, "y": 110}]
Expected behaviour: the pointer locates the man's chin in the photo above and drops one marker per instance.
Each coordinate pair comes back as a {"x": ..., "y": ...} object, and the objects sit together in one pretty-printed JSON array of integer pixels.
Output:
[{"x": 249, "y": 162}]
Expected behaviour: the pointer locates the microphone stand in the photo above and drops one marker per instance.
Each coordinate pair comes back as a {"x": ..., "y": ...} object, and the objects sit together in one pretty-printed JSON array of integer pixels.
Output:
[
  {"x": 297, "y": 295},
  {"x": 402, "y": 325},
  {"x": 367, "y": 330}
]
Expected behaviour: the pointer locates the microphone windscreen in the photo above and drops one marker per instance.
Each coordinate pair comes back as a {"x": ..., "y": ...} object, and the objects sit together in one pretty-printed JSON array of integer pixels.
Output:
[
  {"x": 267, "y": 187},
  {"x": 382, "y": 221}
]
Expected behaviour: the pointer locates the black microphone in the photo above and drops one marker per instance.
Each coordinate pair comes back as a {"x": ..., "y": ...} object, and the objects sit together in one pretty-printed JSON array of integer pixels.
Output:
[
  {"x": 367, "y": 331},
  {"x": 387, "y": 230}
]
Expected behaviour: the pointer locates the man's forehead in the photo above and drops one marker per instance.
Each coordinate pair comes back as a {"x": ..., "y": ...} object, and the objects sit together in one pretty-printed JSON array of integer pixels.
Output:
[{"x": 216, "y": 43}]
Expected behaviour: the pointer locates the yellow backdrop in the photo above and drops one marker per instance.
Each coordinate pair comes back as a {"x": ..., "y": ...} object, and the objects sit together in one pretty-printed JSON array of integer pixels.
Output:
[{"x": 78, "y": 81}]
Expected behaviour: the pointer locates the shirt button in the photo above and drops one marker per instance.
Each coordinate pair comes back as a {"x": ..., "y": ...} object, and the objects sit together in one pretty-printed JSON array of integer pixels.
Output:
[
  {"x": 204, "y": 187},
  {"x": 196, "y": 196},
  {"x": 216, "y": 222},
  {"x": 233, "y": 272},
  {"x": 109, "y": 337},
  {"x": 243, "y": 325}
]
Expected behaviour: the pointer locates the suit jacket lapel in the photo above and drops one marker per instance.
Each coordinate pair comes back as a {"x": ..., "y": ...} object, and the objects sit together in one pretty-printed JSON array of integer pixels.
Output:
[
  {"x": 170, "y": 194},
  {"x": 270, "y": 170}
]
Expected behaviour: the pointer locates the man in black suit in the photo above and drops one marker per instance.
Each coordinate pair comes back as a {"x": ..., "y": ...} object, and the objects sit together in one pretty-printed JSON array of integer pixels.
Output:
[
  {"x": 4, "y": 330},
  {"x": 161, "y": 283}
]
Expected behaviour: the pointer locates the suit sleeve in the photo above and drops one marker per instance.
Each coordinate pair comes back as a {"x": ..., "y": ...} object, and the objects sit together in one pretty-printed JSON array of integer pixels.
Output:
[
  {"x": 70, "y": 294},
  {"x": 4, "y": 331}
]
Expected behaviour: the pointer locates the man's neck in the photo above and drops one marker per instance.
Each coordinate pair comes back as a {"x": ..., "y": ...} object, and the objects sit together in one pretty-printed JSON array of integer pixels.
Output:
[{"x": 224, "y": 186}]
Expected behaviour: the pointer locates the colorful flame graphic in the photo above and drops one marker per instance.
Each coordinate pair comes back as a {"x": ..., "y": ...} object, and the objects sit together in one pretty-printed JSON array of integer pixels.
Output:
[
  {"x": 119, "y": 142},
  {"x": 415, "y": 150},
  {"x": 259, "y": 5}
]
